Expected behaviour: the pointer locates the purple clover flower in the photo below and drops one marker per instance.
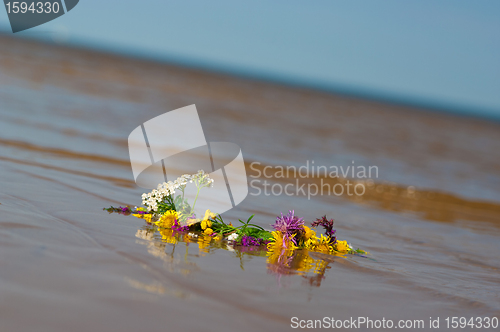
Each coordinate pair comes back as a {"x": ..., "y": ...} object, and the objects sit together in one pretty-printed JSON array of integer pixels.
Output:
[{"x": 289, "y": 225}]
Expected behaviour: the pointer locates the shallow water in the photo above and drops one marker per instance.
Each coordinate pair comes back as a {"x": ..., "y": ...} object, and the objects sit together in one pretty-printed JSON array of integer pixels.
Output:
[{"x": 431, "y": 220}]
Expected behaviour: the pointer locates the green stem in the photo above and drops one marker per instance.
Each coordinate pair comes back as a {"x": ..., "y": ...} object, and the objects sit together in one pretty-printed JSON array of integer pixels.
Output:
[{"x": 197, "y": 193}]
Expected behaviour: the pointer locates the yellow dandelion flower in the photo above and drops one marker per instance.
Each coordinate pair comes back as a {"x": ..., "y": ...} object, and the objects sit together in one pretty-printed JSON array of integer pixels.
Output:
[
  {"x": 208, "y": 231},
  {"x": 206, "y": 222},
  {"x": 289, "y": 243},
  {"x": 167, "y": 220},
  {"x": 277, "y": 237},
  {"x": 342, "y": 246},
  {"x": 321, "y": 244},
  {"x": 278, "y": 242},
  {"x": 308, "y": 233}
]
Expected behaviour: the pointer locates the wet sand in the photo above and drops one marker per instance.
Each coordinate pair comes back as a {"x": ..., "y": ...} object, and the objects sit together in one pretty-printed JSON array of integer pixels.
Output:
[{"x": 431, "y": 219}]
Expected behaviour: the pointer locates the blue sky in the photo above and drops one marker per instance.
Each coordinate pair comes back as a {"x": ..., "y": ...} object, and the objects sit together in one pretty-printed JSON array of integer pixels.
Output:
[{"x": 439, "y": 53}]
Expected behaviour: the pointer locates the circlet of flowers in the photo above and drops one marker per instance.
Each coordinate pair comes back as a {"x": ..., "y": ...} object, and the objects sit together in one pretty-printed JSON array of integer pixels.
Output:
[{"x": 174, "y": 216}]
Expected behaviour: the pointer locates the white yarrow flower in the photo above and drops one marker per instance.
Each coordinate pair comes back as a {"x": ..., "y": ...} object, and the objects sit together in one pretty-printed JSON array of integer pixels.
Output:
[{"x": 232, "y": 237}]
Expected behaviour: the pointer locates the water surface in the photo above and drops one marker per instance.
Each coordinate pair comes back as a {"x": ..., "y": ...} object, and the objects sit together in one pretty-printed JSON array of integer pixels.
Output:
[{"x": 431, "y": 220}]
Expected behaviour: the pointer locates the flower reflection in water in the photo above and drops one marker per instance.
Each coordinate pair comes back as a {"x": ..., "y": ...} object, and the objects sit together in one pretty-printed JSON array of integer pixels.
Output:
[
  {"x": 281, "y": 261},
  {"x": 297, "y": 262}
]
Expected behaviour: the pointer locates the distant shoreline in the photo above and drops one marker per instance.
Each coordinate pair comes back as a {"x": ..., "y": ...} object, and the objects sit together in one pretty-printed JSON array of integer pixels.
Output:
[{"x": 421, "y": 105}]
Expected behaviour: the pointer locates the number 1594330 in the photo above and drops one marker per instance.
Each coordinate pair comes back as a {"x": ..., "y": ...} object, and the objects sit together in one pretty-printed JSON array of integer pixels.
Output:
[{"x": 35, "y": 7}]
